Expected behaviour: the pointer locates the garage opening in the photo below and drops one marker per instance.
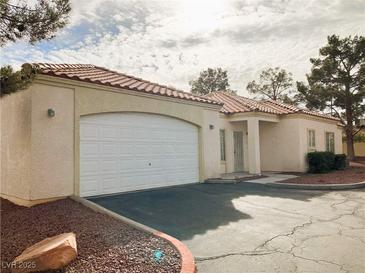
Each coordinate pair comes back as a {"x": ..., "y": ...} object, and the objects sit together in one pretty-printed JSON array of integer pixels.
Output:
[{"x": 122, "y": 152}]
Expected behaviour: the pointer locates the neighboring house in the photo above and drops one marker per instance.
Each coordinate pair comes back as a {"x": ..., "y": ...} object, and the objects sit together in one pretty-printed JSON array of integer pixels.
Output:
[{"x": 85, "y": 130}]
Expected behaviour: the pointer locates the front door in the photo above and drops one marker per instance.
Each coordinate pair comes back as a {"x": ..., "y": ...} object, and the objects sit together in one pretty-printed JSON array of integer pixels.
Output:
[{"x": 238, "y": 151}]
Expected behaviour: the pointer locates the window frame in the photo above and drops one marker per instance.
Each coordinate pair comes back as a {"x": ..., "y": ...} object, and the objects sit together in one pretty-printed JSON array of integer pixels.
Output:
[
  {"x": 327, "y": 143},
  {"x": 311, "y": 145},
  {"x": 222, "y": 144}
]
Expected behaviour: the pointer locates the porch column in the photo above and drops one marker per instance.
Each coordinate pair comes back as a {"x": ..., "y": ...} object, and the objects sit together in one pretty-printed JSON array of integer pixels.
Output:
[{"x": 253, "y": 146}]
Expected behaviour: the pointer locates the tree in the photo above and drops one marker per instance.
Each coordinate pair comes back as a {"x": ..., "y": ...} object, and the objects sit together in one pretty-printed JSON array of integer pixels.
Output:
[
  {"x": 35, "y": 23},
  {"x": 274, "y": 84},
  {"x": 337, "y": 82},
  {"x": 210, "y": 80},
  {"x": 11, "y": 81}
]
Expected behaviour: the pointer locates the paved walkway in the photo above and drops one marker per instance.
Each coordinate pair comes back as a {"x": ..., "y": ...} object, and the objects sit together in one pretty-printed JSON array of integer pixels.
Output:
[
  {"x": 357, "y": 164},
  {"x": 253, "y": 228},
  {"x": 272, "y": 177}
]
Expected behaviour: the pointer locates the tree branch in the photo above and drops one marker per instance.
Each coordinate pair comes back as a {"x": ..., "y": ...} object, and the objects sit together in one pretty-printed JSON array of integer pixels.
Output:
[
  {"x": 337, "y": 113},
  {"x": 356, "y": 132}
]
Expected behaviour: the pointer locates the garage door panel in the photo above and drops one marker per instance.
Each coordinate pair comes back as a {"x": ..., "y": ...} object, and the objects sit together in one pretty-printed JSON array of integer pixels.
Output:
[
  {"x": 126, "y": 150},
  {"x": 109, "y": 149},
  {"x": 132, "y": 151},
  {"x": 89, "y": 149},
  {"x": 89, "y": 132},
  {"x": 89, "y": 167},
  {"x": 109, "y": 133},
  {"x": 90, "y": 185}
]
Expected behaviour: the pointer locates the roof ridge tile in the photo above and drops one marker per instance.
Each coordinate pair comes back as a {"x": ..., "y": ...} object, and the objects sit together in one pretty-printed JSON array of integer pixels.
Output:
[{"x": 234, "y": 103}]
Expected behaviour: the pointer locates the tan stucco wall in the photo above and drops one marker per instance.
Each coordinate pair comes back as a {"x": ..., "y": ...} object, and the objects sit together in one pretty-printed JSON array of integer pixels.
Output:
[
  {"x": 15, "y": 134},
  {"x": 210, "y": 145},
  {"x": 284, "y": 144},
  {"x": 280, "y": 145},
  {"x": 52, "y": 142},
  {"x": 359, "y": 149}
]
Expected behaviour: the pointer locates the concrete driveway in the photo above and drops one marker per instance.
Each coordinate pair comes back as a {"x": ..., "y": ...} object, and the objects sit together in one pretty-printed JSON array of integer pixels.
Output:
[{"x": 253, "y": 228}]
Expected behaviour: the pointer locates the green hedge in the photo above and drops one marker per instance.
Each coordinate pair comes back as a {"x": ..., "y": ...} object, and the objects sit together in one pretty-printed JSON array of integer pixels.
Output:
[
  {"x": 324, "y": 161},
  {"x": 320, "y": 161},
  {"x": 340, "y": 161}
]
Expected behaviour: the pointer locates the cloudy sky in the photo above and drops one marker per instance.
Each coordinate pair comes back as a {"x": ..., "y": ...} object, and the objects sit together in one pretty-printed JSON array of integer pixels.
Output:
[{"x": 170, "y": 42}]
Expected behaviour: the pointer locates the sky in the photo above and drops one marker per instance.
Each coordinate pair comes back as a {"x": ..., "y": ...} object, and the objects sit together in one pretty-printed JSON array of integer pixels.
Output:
[{"x": 170, "y": 42}]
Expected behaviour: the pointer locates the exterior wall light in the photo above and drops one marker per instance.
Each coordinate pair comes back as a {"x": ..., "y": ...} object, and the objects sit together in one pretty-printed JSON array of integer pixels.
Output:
[
  {"x": 51, "y": 112},
  {"x": 211, "y": 126}
]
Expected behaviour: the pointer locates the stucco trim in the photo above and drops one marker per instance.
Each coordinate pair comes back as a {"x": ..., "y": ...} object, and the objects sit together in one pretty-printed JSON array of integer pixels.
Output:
[
  {"x": 144, "y": 112},
  {"x": 61, "y": 82},
  {"x": 254, "y": 114}
]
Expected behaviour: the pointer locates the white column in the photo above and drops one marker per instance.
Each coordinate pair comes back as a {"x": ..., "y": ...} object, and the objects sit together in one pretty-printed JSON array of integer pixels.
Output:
[{"x": 253, "y": 146}]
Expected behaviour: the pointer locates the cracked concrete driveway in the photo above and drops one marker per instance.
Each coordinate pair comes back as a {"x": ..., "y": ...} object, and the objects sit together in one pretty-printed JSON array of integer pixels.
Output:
[{"x": 254, "y": 228}]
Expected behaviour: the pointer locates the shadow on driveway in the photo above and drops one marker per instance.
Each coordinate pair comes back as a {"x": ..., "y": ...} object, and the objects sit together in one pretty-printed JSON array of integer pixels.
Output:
[{"x": 186, "y": 211}]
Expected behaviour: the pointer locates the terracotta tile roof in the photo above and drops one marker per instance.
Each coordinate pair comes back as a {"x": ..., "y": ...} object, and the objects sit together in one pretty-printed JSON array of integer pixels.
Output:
[
  {"x": 102, "y": 76},
  {"x": 238, "y": 104}
]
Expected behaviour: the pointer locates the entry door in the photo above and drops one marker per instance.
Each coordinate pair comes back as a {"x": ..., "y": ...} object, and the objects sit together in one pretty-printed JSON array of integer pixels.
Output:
[
  {"x": 130, "y": 151},
  {"x": 238, "y": 151}
]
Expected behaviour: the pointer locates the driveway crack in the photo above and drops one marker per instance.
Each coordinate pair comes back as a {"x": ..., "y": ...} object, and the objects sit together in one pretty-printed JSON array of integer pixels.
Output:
[
  {"x": 293, "y": 230},
  {"x": 247, "y": 253},
  {"x": 319, "y": 261}
]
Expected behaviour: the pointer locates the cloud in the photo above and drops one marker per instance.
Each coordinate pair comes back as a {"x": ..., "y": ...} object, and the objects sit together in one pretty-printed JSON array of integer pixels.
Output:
[{"x": 170, "y": 42}]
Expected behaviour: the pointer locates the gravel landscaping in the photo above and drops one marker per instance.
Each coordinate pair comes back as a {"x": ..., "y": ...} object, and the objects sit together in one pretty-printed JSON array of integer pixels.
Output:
[
  {"x": 104, "y": 244},
  {"x": 348, "y": 176}
]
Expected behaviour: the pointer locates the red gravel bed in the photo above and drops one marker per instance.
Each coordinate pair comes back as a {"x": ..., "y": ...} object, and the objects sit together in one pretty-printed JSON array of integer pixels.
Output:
[
  {"x": 348, "y": 176},
  {"x": 104, "y": 244}
]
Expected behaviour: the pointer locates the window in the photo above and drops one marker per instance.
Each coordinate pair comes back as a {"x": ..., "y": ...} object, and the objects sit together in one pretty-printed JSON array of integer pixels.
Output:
[
  {"x": 330, "y": 141},
  {"x": 222, "y": 135},
  {"x": 311, "y": 140}
]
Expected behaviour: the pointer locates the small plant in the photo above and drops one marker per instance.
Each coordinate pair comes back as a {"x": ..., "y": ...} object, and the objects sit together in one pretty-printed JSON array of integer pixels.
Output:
[
  {"x": 320, "y": 161},
  {"x": 324, "y": 161},
  {"x": 340, "y": 161}
]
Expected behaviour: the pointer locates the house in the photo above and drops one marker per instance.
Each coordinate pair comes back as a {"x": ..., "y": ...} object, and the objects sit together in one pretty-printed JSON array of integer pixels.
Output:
[{"x": 85, "y": 130}]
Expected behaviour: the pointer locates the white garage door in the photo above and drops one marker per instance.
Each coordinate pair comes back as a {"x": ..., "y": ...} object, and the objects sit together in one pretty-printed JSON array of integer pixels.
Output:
[{"x": 131, "y": 151}]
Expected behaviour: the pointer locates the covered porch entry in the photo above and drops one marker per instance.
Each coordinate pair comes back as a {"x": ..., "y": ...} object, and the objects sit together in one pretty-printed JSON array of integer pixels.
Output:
[{"x": 242, "y": 142}]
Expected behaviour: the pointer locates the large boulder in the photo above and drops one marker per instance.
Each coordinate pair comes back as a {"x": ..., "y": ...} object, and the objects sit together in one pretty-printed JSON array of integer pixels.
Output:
[{"x": 50, "y": 253}]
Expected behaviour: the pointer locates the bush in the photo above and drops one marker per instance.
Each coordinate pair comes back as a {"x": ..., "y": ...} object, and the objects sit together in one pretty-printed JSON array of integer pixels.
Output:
[
  {"x": 320, "y": 161},
  {"x": 340, "y": 161}
]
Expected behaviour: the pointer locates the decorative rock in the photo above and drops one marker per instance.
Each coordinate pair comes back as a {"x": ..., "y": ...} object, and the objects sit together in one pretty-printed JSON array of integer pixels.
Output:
[{"x": 50, "y": 253}]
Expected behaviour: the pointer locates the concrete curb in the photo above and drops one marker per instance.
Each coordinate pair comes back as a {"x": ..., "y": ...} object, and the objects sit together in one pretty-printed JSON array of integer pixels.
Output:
[
  {"x": 318, "y": 186},
  {"x": 221, "y": 181},
  {"x": 187, "y": 258}
]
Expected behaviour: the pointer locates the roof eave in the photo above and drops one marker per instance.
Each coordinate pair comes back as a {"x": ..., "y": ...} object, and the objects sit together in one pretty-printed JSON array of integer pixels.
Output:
[
  {"x": 59, "y": 79},
  {"x": 86, "y": 80}
]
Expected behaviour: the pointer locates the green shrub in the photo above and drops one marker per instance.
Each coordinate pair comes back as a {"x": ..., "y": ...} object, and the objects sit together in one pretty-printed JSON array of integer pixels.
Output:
[
  {"x": 340, "y": 161},
  {"x": 320, "y": 161}
]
